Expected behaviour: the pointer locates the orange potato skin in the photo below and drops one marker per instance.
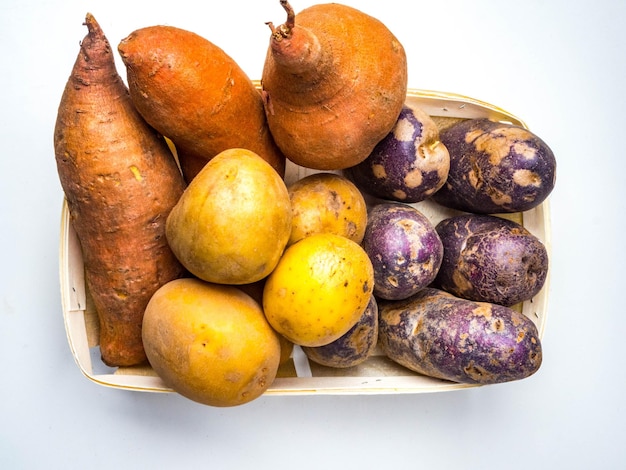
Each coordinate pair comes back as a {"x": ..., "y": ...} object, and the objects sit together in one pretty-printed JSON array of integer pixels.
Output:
[
  {"x": 120, "y": 181},
  {"x": 192, "y": 92},
  {"x": 335, "y": 80}
]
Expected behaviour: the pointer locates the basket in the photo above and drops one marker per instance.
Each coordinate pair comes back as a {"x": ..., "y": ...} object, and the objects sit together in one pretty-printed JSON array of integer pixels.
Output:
[{"x": 298, "y": 376}]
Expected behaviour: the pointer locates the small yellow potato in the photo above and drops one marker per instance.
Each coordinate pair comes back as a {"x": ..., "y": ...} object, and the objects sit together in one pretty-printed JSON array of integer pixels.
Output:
[
  {"x": 319, "y": 289},
  {"x": 327, "y": 203}
]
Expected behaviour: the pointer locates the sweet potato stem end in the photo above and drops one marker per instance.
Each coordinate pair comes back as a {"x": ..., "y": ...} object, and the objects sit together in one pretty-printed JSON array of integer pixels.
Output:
[{"x": 284, "y": 30}]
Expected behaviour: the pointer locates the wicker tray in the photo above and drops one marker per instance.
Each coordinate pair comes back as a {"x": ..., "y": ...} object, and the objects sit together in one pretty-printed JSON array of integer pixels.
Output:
[{"x": 377, "y": 375}]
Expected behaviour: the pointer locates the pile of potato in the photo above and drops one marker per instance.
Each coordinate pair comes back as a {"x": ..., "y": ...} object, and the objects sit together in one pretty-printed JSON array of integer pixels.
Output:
[{"x": 167, "y": 234}]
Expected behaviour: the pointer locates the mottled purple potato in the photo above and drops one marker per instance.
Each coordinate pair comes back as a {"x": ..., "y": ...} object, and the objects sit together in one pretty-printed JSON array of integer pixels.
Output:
[
  {"x": 409, "y": 164},
  {"x": 354, "y": 347},
  {"x": 404, "y": 248},
  {"x": 439, "y": 335},
  {"x": 495, "y": 168},
  {"x": 490, "y": 259}
]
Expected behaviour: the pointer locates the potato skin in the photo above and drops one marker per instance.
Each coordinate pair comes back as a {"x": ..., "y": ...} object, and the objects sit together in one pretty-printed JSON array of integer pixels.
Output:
[
  {"x": 121, "y": 182},
  {"x": 354, "y": 347},
  {"x": 335, "y": 80},
  {"x": 191, "y": 91},
  {"x": 495, "y": 168},
  {"x": 327, "y": 202},
  {"x": 210, "y": 342},
  {"x": 490, "y": 259},
  {"x": 439, "y": 335},
  {"x": 404, "y": 248},
  {"x": 409, "y": 164}
]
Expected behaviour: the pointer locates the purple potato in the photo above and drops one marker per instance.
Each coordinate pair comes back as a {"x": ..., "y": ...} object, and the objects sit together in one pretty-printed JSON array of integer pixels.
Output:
[
  {"x": 490, "y": 259},
  {"x": 404, "y": 248},
  {"x": 495, "y": 168},
  {"x": 409, "y": 164},
  {"x": 354, "y": 347},
  {"x": 439, "y": 335}
]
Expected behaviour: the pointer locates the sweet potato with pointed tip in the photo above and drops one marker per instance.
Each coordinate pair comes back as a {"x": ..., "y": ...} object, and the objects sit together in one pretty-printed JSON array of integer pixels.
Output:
[
  {"x": 120, "y": 181},
  {"x": 195, "y": 94},
  {"x": 335, "y": 80}
]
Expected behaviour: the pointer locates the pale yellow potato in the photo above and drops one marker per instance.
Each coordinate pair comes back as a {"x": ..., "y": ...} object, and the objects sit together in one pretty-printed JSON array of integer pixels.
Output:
[
  {"x": 211, "y": 343},
  {"x": 233, "y": 221}
]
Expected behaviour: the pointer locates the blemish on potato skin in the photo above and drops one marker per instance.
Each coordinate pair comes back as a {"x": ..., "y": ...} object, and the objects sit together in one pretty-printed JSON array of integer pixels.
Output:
[
  {"x": 526, "y": 178},
  {"x": 399, "y": 194},
  {"x": 404, "y": 130},
  {"x": 233, "y": 377},
  {"x": 490, "y": 259},
  {"x": 354, "y": 346},
  {"x": 409, "y": 164},
  {"x": 379, "y": 172},
  {"x": 136, "y": 173},
  {"x": 413, "y": 179},
  {"x": 477, "y": 373},
  {"x": 482, "y": 310},
  {"x": 495, "y": 168},
  {"x": 436, "y": 334}
]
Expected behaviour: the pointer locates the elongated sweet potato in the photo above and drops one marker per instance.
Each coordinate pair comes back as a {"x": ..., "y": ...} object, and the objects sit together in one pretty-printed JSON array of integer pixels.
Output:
[
  {"x": 443, "y": 336},
  {"x": 192, "y": 92},
  {"x": 120, "y": 181},
  {"x": 335, "y": 80}
]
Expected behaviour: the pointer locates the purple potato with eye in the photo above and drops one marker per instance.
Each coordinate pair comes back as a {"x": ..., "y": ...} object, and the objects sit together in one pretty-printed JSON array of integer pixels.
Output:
[
  {"x": 495, "y": 168},
  {"x": 409, "y": 164},
  {"x": 439, "y": 335},
  {"x": 354, "y": 347},
  {"x": 404, "y": 248},
  {"x": 490, "y": 259}
]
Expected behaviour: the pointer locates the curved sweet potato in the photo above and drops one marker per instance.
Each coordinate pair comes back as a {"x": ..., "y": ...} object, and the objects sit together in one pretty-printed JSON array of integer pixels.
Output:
[
  {"x": 120, "y": 181},
  {"x": 192, "y": 92}
]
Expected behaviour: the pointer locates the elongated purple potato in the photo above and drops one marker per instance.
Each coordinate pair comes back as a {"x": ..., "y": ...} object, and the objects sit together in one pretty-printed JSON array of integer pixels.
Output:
[
  {"x": 490, "y": 259},
  {"x": 354, "y": 347},
  {"x": 409, "y": 164},
  {"x": 439, "y": 335},
  {"x": 404, "y": 248},
  {"x": 495, "y": 168}
]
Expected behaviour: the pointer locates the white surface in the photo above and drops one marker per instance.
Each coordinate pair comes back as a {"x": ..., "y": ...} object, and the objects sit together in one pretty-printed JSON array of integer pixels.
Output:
[{"x": 559, "y": 65}]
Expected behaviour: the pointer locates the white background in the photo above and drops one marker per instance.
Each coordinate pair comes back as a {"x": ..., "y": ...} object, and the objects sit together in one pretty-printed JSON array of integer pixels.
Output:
[{"x": 559, "y": 65}]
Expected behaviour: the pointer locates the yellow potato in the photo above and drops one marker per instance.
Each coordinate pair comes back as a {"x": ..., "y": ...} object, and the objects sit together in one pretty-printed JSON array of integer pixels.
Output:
[
  {"x": 233, "y": 221},
  {"x": 211, "y": 343},
  {"x": 327, "y": 203},
  {"x": 319, "y": 289}
]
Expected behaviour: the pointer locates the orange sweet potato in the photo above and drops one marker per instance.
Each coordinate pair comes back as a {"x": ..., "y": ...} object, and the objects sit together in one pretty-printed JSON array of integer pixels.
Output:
[
  {"x": 334, "y": 82},
  {"x": 191, "y": 91},
  {"x": 120, "y": 181}
]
